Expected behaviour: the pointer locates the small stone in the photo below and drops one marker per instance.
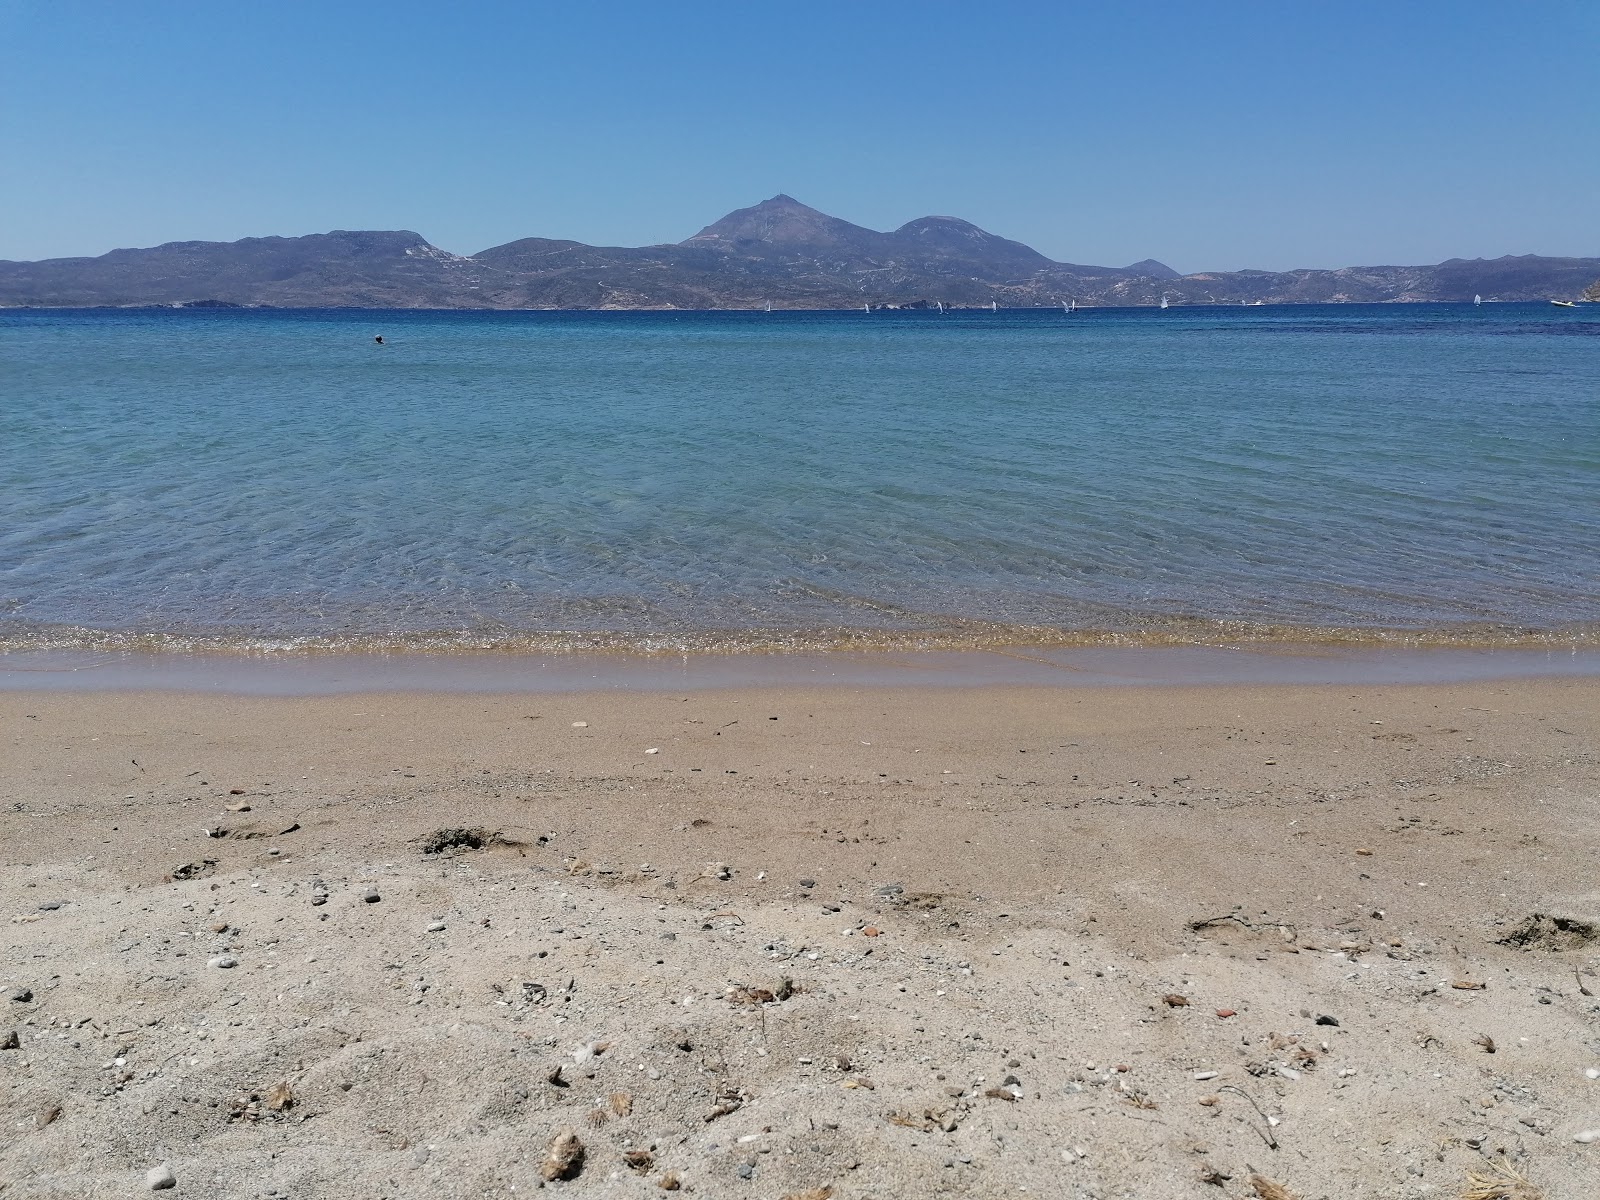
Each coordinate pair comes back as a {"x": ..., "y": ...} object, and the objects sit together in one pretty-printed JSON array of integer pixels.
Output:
[
  {"x": 564, "y": 1159},
  {"x": 1363, "y": 851},
  {"x": 1204, "y": 1075},
  {"x": 1225, "y": 1013},
  {"x": 745, "y": 1171},
  {"x": 219, "y": 927},
  {"x": 370, "y": 896},
  {"x": 46, "y": 1115},
  {"x": 1586, "y": 1136},
  {"x": 11, "y": 1041},
  {"x": 653, "y": 750},
  {"x": 808, "y": 883},
  {"x": 1592, "y": 1073},
  {"x": 1174, "y": 1000},
  {"x": 580, "y": 724},
  {"x": 1324, "y": 1019},
  {"x": 21, "y": 995},
  {"x": 223, "y": 962},
  {"x": 889, "y": 889},
  {"x": 159, "y": 1179},
  {"x": 436, "y": 927},
  {"x": 50, "y": 906}
]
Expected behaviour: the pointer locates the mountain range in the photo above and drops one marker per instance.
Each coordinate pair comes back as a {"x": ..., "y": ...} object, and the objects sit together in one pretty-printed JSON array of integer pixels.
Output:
[{"x": 779, "y": 252}]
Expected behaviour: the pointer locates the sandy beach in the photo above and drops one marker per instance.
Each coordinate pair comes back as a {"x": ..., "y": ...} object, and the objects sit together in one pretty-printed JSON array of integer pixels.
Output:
[{"x": 1314, "y": 942}]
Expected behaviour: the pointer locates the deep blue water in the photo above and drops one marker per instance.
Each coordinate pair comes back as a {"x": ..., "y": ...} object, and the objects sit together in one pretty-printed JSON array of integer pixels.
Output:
[{"x": 702, "y": 478}]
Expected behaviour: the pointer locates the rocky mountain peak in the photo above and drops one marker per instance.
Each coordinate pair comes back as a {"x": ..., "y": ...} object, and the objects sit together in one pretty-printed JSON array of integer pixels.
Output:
[{"x": 781, "y": 222}]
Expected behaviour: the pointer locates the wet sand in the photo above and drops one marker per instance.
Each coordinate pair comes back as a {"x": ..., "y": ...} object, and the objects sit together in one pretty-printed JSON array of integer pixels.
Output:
[{"x": 888, "y": 941}]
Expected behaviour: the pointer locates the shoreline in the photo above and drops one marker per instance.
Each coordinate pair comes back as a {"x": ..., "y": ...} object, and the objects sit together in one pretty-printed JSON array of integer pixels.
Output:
[
  {"x": 333, "y": 672},
  {"x": 887, "y": 941}
]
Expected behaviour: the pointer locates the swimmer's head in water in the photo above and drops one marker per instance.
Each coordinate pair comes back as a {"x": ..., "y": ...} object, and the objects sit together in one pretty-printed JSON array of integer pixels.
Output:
[{"x": 379, "y": 339}]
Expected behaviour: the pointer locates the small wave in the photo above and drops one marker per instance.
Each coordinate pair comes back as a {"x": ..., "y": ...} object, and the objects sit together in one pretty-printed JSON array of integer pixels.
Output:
[{"x": 970, "y": 635}]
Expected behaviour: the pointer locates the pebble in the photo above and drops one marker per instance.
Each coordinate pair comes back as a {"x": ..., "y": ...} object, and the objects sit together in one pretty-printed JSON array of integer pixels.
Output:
[
  {"x": 22, "y": 995},
  {"x": 1592, "y": 1073},
  {"x": 1204, "y": 1075},
  {"x": 1587, "y": 1136},
  {"x": 436, "y": 927},
  {"x": 222, "y": 962},
  {"x": 370, "y": 896},
  {"x": 653, "y": 750},
  {"x": 50, "y": 906},
  {"x": 1226, "y": 1013},
  {"x": 1327, "y": 1020},
  {"x": 159, "y": 1179},
  {"x": 580, "y": 724},
  {"x": 10, "y": 1041},
  {"x": 889, "y": 889},
  {"x": 808, "y": 883}
]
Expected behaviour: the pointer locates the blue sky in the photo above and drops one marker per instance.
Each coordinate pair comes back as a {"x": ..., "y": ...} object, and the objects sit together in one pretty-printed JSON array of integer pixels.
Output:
[{"x": 1209, "y": 135}]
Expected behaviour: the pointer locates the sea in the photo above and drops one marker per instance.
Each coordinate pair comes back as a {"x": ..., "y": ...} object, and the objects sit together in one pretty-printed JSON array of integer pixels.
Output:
[{"x": 265, "y": 481}]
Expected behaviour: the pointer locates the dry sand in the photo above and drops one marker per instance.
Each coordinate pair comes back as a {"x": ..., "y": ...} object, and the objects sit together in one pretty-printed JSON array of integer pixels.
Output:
[{"x": 937, "y": 964}]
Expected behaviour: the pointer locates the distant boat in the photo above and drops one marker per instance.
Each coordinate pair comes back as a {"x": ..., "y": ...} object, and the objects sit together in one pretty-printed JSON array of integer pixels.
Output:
[
  {"x": 1071, "y": 307},
  {"x": 1476, "y": 299},
  {"x": 866, "y": 308},
  {"x": 1163, "y": 300},
  {"x": 940, "y": 303},
  {"x": 769, "y": 305},
  {"x": 1563, "y": 304},
  {"x": 994, "y": 306}
]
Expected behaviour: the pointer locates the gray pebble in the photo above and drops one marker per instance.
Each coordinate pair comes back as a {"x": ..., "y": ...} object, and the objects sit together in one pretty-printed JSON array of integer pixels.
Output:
[
  {"x": 436, "y": 927},
  {"x": 22, "y": 994},
  {"x": 10, "y": 1041},
  {"x": 889, "y": 889},
  {"x": 745, "y": 1171},
  {"x": 50, "y": 906},
  {"x": 808, "y": 883},
  {"x": 222, "y": 962},
  {"x": 370, "y": 896},
  {"x": 1327, "y": 1020},
  {"x": 159, "y": 1179}
]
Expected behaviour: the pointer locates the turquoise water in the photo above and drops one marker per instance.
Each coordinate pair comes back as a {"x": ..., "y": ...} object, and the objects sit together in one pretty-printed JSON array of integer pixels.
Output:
[{"x": 546, "y": 480}]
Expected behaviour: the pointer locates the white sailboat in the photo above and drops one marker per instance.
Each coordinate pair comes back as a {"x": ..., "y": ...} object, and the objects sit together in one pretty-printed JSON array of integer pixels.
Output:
[
  {"x": 769, "y": 305},
  {"x": 940, "y": 303},
  {"x": 994, "y": 306},
  {"x": 1163, "y": 300},
  {"x": 1476, "y": 299},
  {"x": 866, "y": 308}
]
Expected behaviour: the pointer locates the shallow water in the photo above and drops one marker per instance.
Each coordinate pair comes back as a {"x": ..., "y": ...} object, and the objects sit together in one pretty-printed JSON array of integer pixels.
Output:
[{"x": 544, "y": 481}]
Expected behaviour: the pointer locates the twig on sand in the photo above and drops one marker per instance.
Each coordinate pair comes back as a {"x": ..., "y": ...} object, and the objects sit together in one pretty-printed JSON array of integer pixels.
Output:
[
  {"x": 1270, "y": 1189},
  {"x": 1498, "y": 1180},
  {"x": 1266, "y": 1132}
]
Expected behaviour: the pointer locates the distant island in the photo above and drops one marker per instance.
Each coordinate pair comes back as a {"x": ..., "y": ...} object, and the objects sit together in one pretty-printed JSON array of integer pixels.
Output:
[{"x": 779, "y": 253}]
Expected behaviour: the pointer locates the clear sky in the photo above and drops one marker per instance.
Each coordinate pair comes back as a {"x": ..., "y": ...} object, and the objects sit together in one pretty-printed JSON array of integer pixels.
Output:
[{"x": 1217, "y": 134}]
